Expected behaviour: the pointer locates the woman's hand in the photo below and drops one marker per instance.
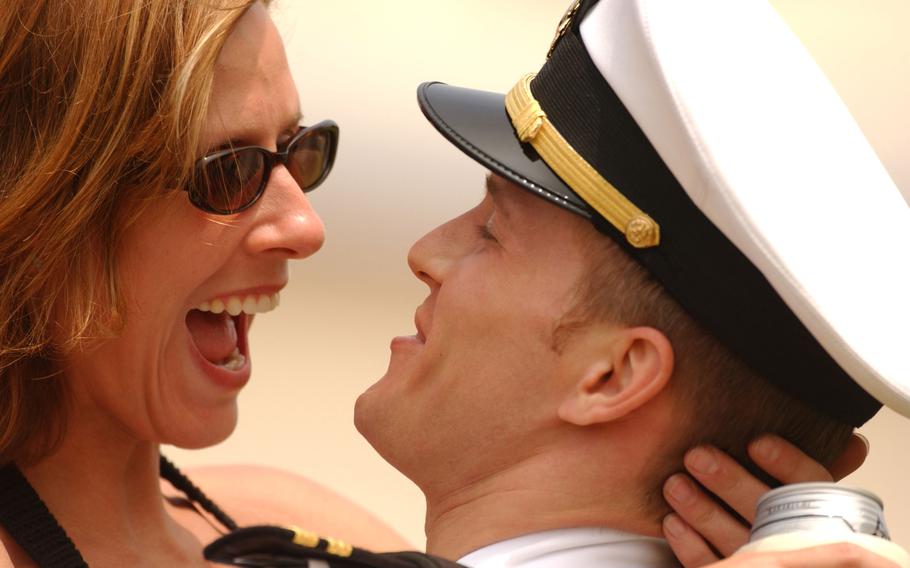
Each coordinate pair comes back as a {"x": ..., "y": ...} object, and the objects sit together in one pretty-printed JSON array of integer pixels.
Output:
[
  {"x": 700, "y": 523},
  {"x": 840, "y": 555}
]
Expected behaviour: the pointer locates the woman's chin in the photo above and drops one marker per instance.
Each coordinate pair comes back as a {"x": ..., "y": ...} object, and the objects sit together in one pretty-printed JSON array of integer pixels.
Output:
[{"x": 203, "y": 431}]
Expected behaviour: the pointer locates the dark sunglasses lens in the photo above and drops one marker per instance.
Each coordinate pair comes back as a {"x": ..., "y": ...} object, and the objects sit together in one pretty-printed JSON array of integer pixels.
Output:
[
  {"x": 229, "y": 183},
  {"x": 311, "y": 158}
]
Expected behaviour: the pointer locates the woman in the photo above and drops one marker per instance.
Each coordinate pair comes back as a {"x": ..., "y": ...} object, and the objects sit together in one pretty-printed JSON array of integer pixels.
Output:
[
  {"x": 131, "y": 268},
  {"x": 112, "y": 276}
]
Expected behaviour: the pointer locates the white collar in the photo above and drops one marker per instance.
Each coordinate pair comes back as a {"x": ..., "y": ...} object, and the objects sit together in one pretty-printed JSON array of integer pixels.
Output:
[{"x": 574, "y": 548}]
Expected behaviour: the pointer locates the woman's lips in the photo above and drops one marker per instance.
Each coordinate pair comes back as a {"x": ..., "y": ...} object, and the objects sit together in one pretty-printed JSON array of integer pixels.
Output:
[{"x": 218, "y": 329}]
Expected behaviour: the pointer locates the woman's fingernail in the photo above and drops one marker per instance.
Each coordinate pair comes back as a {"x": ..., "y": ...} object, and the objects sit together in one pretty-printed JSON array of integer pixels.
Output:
[
  {"x": 865, "y": 441},
  {"x": 680, "y": 488},
  {"x": 702, "y": 461},
  {"x": 674, "y": 527},
  {"x": 767, "y": 449}
]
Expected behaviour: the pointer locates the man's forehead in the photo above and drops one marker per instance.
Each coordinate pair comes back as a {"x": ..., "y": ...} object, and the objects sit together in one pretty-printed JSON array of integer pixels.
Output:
[
  {"x": 494, "y": 184},
  {"x": 527, "y": 213},
  {"x": 503, "y": 192}
]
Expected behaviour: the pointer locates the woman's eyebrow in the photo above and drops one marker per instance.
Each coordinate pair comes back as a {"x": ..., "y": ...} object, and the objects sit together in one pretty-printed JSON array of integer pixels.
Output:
[
  {"x": 240, "y": 139},
  {"x": 292, "y": 124}
]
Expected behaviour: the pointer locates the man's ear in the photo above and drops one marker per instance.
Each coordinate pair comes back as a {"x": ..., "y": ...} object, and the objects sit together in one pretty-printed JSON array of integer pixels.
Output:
[{"x": 634, "y": 369}]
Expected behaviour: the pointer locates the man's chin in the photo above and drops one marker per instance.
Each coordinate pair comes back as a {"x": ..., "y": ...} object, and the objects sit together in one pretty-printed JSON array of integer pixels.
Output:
[
  {"x": 376, "y": 422},
  {"x": 368, "y": 415}
]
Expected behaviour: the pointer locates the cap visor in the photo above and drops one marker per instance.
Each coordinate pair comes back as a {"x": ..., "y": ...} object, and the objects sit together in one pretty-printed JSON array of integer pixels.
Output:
[{"x": 478, "y": 124}]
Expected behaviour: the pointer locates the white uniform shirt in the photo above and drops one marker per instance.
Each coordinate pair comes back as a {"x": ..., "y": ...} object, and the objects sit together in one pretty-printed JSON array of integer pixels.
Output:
[{"x": 574, "y": 548}]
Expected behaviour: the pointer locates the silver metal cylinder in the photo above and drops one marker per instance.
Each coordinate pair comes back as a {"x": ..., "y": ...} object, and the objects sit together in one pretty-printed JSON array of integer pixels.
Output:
[{"x": 819, "y": 507}]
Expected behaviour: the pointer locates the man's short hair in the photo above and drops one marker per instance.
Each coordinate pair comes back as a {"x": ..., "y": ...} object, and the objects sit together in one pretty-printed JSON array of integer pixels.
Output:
[{"x": 724, "y": 402}]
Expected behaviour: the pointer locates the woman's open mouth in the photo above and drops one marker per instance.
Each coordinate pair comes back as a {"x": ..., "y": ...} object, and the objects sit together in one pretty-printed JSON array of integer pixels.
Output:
[{"x": 219, "y": 327}]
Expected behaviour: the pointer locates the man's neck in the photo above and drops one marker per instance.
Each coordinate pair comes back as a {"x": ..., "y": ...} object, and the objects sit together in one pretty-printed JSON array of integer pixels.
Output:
[{"x": 544, "y": 493}]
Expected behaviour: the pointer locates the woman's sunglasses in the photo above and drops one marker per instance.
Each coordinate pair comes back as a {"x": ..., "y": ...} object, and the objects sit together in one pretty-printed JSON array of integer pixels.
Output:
[{"x": 229, "y": 181}]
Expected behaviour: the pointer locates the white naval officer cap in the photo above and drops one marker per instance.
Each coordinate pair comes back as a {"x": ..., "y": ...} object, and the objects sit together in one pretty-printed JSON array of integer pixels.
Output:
[{"x": 704, "y": 139}]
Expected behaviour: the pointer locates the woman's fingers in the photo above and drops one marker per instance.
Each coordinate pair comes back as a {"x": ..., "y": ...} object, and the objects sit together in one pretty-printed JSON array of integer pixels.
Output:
[
  {"x": 704, "y": 526},
  {"x": 703, "y": 514},
  {"x": 851, "y": 458},
  {"x": 725, "y": 478},
  {"x": 689, "y": 547},
  {"x": 785, "y": 462}
]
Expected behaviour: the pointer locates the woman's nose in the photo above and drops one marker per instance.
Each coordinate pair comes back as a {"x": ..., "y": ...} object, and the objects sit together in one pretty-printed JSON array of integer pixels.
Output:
[{"x": 286, "y": 222}]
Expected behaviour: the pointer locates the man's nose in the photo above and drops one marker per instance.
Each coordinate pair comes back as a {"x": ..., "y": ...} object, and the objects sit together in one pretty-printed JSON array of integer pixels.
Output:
[
  {"x": 286, "y": 222},
  {"x": 434, "y": 254}
]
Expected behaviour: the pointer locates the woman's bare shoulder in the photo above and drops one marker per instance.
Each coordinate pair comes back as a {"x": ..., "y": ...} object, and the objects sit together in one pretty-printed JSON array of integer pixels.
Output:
[
  {"x": 265, "y": 495},
  {"x": 9, "y": 550},
  {"x": 5, "y": 560}
]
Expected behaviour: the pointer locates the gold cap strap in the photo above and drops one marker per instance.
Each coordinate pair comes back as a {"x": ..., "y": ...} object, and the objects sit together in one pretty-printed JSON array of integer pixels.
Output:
[
  {"x": 303, "y": 537},
  {"x": 529, "y": 121},
  {"x": 309, "y": 539},
  {"x": 338, "y": 547},
  {"x": 533, "y": 126}
]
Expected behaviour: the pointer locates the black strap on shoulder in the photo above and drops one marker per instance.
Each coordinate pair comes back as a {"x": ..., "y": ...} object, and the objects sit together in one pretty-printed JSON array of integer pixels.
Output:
[
  {"x": 31, "y": 524},
  {"x": 182, "y": 483},
  {"x": 26, "y": 518}
]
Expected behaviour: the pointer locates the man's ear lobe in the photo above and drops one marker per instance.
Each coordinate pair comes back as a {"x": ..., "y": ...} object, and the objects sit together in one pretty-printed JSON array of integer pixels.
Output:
[{"x": 637, "y": 370}]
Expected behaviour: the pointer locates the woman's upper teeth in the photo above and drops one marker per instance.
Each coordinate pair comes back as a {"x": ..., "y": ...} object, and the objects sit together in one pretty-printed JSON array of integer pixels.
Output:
[{"x": 234, "y": 305}]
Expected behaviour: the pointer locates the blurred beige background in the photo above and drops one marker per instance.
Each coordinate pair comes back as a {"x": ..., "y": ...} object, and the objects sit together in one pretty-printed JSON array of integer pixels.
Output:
[{"x": 359, "y": 62}]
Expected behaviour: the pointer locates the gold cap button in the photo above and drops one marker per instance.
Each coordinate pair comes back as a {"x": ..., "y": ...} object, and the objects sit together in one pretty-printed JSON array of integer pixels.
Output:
[{"x": 642, "y": 232}]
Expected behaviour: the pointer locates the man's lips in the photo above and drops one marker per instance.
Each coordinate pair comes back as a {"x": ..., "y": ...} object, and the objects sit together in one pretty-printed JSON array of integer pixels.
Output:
[{"x": 422, "y": 328}]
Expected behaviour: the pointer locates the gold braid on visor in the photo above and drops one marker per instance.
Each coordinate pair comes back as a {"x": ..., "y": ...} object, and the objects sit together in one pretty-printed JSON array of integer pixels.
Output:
[{"x": 533, "y": 126}]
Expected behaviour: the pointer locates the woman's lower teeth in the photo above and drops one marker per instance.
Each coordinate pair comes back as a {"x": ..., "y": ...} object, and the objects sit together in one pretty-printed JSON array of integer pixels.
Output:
[{"x": 235, "y": 361}]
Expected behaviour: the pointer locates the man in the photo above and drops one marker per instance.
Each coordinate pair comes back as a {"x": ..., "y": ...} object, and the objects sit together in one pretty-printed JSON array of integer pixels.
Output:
[
  {"x": 674, "y": 249},
  {"x": 659, "y": 262}
]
